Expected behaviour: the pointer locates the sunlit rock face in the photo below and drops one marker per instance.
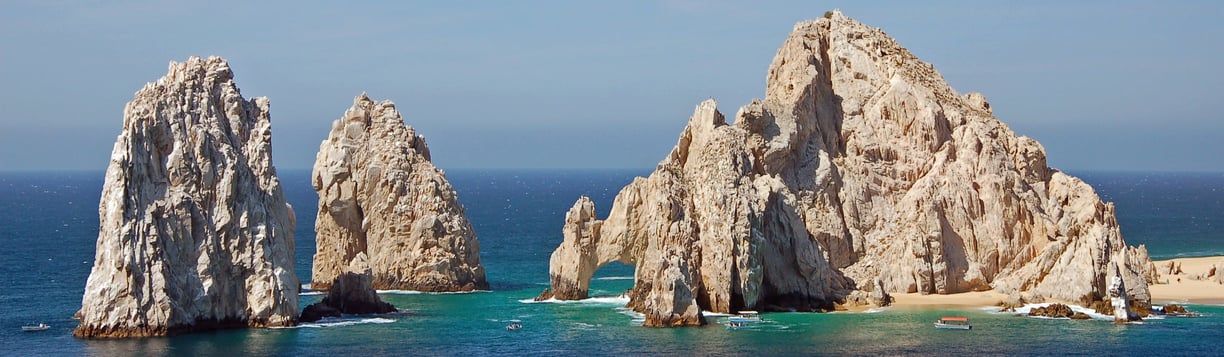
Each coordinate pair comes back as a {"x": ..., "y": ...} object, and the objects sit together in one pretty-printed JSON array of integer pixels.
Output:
[
  {"x": 379, "y": 194},
  {"x": 195, "y": 233},
  {"x": 860, "y": 170}
]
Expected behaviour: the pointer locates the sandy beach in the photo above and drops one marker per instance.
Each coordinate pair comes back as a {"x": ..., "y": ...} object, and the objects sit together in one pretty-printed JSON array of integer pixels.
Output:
[{"x": 1193, "y": 284}]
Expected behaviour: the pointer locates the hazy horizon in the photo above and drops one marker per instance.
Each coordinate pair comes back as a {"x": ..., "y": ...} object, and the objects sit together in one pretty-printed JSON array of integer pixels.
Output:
[{"x": 1109, "y": 86}]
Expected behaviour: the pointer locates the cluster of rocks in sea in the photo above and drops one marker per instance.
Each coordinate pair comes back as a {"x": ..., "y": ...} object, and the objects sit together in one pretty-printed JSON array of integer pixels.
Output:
[
  {"x": 861, "y": 173},
  {"x": 195, "y": 232},
  {"x": 861, "y": 170}
]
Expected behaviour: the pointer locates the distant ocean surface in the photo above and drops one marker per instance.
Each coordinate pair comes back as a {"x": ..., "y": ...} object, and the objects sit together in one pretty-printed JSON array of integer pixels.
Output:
[{"x": 49, "y": 222}]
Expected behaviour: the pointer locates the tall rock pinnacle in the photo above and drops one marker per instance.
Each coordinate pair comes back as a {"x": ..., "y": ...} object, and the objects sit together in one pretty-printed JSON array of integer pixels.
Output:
[
  {"x": 380, "y": 194},
  {"x": 195, "y": 232}
]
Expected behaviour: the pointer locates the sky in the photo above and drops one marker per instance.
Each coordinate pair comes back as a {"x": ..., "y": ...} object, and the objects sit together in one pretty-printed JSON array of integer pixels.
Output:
[{"x": 1103, "y": 85}]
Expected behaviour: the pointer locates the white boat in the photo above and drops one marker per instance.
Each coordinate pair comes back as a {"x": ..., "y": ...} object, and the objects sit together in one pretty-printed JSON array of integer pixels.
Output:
[
  {"x": 953, "y": 323},
  {"x": 745, "y": 317},
  {"x": 514, "y": 325},
  {"x": 33, "y": 328}
]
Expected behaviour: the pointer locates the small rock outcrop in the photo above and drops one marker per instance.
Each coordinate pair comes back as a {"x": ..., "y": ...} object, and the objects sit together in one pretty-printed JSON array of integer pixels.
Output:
[
  {"x": 1055, "y": 311},
  {"x": 379, "y": 194},
  {"x": 861, "y": 168},
  {"x": 195, "y": 232},
  {"x": 1118, "y": 298},
  {"x": 352, "y": 292}
]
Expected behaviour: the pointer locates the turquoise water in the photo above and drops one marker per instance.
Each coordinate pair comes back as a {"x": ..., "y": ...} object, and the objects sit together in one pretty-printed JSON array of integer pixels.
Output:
[{"x": 48, "y": 225}]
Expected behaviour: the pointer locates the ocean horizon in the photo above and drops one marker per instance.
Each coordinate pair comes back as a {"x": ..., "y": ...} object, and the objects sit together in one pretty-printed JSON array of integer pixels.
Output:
[{"x": 50, "y": 223}]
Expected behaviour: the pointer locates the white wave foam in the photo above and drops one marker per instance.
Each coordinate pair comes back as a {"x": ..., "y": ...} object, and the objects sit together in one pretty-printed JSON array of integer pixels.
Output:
[
  {"x": 615, "y": 278},
  {"x": 415, "y": 292},
  {"x": 342, "y": 321},
  {"x": 1076, "y": 308},
  {"x": 312, "y": 293},
  {"x": 875, "y": 310},
  {"x": 714, "y": 314},
  {"x": 598, "y": 300}
]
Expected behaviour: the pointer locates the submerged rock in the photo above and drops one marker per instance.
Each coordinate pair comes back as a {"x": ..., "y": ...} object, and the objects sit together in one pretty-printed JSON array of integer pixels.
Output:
[
  {"x": 380, "y": 195},
  {"x": 352, "y": 292},
  {"x": 861, "y": 167},
  {"x": 195, "y": 233}
]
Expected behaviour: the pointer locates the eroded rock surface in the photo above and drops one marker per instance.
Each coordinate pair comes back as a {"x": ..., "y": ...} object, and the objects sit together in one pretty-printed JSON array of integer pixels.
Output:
[
  {"x": 860, "y": 170},
  {"x": 379, "y": 194},
  {"x": 195, "y": 232}
]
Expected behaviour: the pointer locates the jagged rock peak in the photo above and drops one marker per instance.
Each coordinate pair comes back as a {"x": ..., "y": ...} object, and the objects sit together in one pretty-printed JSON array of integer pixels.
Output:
[
  {"x": 195, "y": 231},
  {"x": 862, "y": 169},
  {"x": 379, "y": 194}
]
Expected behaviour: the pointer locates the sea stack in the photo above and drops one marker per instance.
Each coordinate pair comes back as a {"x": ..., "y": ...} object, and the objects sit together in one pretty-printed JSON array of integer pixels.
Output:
[
  {"x": 195, "y": 232},
  {"x": 862, "y": 169},
  {"x": 379, "y": 194}
]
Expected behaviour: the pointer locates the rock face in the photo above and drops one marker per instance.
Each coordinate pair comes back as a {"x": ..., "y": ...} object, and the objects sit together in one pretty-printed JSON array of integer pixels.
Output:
[
  {"x": 380, "y": 195},
  {"x": 861, "y": 163},
  {"x": 195, "y": 232},
  {"x": 352, "y": 292}
]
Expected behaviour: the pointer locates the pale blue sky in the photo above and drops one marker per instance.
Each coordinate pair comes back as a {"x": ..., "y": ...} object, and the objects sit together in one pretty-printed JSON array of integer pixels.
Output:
[{"x": 1108, "y": 85}]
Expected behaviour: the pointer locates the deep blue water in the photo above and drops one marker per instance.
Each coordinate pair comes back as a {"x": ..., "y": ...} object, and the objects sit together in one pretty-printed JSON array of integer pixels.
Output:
[{"x": 48, "y": 228}]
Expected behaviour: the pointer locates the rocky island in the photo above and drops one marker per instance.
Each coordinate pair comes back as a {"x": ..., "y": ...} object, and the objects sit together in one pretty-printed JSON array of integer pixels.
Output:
[
  {"x": 862, "y": 170},
  {"x": 195, "y": 232},
  {"x": 380, "y": 195}
]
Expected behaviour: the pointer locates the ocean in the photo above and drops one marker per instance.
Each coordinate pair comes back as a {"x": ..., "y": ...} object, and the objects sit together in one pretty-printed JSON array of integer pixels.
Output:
[{"x": 49, "y": 222}]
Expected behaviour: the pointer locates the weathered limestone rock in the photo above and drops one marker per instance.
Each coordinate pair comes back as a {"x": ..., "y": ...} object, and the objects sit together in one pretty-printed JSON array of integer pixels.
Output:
[
  {"x": 1118, "y": 297},
  {"x": 195, "y": 232},
  {"x": 861, "y": 164},
  {"x": 352, "y": 292},
  {"x": 380, "y": 195}
]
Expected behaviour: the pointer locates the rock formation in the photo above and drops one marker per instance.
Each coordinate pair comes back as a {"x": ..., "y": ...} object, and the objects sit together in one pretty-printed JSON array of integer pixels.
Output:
[
  {"x": 1118, "y": 297},
  {"x": 861, "y": 163},
  {"x": 380, "y": 195},
  {"x": 195, "y": 232},
  {"x": 352, "y": 292}
]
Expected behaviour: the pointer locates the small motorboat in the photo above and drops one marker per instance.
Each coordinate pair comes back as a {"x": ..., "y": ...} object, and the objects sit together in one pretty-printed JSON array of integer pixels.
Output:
[
  {"x": 953, "y": 323},
  {"x": 35, "y": 328},
  {"x": 514, "y": 325},
  {"x": 745, "y": 317}
]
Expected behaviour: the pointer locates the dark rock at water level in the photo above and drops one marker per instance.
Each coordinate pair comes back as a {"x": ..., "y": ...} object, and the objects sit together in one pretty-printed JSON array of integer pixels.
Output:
[{"x": 351, "y": 293}]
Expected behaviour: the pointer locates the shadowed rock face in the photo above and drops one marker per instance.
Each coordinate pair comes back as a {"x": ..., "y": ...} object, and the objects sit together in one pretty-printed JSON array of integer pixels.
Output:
[
  {"x": 195, "y": 232},
  {"x": 380, "y": 195},
  {"x": 860, "y": 170},
  {"x": 352, "y": 292}
]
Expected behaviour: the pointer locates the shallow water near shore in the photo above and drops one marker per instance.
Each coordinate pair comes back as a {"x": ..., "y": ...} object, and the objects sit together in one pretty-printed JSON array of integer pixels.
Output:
[{"x": 49, "y": 228}]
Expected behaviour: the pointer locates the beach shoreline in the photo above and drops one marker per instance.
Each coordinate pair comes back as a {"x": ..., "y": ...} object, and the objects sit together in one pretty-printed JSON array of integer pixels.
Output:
[
  {"x": 1190, "y": 282},
  {"x": 1194, "y": 284}
]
